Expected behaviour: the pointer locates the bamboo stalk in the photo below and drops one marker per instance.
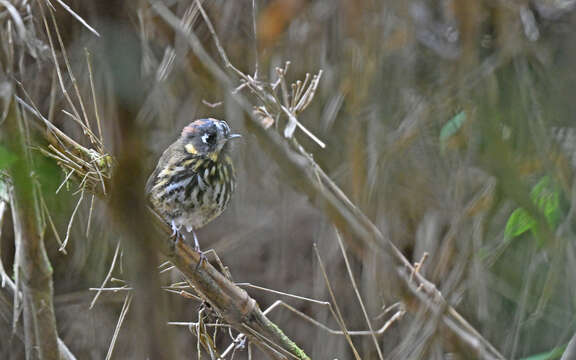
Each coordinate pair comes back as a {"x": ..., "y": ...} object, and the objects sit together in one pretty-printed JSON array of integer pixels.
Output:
[{"x": 32, "y": 266}]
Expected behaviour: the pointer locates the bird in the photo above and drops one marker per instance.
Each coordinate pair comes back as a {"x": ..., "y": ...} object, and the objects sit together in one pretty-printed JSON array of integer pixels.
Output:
[{"x": 194, "y": 178}]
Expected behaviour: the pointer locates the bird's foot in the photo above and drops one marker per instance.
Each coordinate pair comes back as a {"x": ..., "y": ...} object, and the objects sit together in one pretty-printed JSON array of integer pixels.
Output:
[
  {"x": 203, "y": 257},
  {"x": 175, "y": 228},
  {"x": 240, "y": 344},
  {"x": 175, "y": 237}
]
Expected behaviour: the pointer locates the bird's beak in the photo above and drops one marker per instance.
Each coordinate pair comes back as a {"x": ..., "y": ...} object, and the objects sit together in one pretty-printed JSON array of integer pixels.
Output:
[{"x": 234, "y": 136}]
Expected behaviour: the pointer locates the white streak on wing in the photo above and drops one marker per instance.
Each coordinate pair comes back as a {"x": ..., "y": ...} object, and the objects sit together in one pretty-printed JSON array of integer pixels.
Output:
[
  {"x": 222, "y": 196},
  {"x": 179, "y": 184},
  {"x": 201, "y": 182},
  {"x": 216, "y": 190}
]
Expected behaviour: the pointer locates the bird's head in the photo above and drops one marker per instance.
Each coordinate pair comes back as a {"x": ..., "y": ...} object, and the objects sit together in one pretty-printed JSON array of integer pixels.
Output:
[{"x": 207, "y": 137}]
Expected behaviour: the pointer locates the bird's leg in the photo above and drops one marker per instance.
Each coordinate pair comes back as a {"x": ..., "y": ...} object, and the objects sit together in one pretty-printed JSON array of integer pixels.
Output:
[
  {"x": 197, "y": 248},
  {"x": 196, "y": 243},
  {"x": 176, "y": 235},
  {"x": 175, "y": 228},
  {"x": 241, "y": 344}
]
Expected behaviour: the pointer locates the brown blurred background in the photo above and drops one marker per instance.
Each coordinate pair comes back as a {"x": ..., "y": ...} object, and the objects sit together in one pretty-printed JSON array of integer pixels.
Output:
[{"x": 442, "y": 120}]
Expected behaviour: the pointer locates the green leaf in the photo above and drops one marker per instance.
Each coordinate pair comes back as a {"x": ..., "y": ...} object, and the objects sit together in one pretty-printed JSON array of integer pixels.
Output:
[
  {"x": 452, "y": 126},
  {"x": 546, "y": 195},
  {"x": 6, "y": 158},
  {"x": 553, "y": 354},
  {"x": 518, "y": 223}
]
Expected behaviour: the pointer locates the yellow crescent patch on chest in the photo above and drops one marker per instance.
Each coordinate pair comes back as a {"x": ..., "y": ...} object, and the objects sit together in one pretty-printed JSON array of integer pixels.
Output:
[{"x": 191, "y": 149}]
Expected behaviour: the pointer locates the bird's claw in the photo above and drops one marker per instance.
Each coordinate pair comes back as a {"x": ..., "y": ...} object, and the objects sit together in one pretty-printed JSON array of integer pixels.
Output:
[
  {"x": 241, "y": 344},
  {"x": 203, "y": 257},
  {"x": 175, "y": 237}
]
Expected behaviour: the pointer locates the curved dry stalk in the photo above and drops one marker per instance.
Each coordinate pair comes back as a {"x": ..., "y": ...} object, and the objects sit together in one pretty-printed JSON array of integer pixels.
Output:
[{"x": 358, "y": 296}]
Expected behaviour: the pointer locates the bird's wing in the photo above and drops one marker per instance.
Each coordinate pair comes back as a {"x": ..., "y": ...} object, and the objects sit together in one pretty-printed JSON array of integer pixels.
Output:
[
  {"x": 162, "y": 163},
  {"x": 150, "y": 181}
]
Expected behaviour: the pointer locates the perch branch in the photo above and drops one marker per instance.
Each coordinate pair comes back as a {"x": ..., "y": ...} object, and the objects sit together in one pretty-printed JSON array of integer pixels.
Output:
[{"x": 232, "y": 302}]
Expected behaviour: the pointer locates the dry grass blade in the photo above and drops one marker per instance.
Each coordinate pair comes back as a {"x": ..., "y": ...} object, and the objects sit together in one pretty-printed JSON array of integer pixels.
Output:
[
  {"x": 94, "y": 99},
  {"x": 86, "y": 124},
  {"x": 16, "y": 18},
  {"x": 78, "y": 17},
  {"x": 399, "y": 313},
  {"x": 282, "y": 293},
  {"x": 339, "y": 317},
  {"x": 397, "y": 316},
  {"x": 358, "y": 296},
  {"x": 65, "y": 242},
  {"x": 123, "y": 312},
  {"x": 91, "y": 166},
  {"x": 255, "y": 34},
  {"x": 47, "y": 214},
  {"x": 293, "y": 120},
  {"x": 108, "y": 276},
  {"x": 90, "y": 216}
]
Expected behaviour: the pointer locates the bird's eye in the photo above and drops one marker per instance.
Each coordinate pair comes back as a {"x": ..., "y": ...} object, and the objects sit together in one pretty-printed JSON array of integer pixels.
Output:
[{"x": 208, "y": 138}]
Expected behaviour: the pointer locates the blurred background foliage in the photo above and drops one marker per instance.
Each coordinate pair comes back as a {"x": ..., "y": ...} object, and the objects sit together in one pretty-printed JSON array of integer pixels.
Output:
[{"x": 449, "y": 123}]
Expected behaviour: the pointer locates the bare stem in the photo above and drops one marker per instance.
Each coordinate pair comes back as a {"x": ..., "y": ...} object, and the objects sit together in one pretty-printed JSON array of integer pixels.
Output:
[
  {"x": 32, "y": 266},
  {"x": 7, "y": 293}
]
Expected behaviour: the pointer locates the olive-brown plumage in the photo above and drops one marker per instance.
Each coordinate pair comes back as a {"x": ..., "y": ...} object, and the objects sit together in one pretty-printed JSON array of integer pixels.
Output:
[{"x": 194, "y": 179}]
